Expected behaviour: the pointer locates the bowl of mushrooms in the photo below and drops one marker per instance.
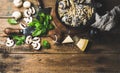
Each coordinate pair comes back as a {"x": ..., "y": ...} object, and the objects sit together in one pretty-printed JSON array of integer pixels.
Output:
[{"x": 75, "y": 13}]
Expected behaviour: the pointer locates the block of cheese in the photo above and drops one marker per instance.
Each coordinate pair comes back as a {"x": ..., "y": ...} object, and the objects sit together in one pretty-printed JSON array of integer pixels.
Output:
[
  {"x": 82, "y": 44},
  {"x": 68, "y": 39}
]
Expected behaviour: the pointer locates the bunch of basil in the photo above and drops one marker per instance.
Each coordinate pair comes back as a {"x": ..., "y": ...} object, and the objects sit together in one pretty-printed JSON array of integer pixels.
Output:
[{"x": 42, "y": 24}]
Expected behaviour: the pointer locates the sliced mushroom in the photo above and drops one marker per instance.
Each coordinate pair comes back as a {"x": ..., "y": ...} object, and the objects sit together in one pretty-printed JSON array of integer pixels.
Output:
[
  {"x": 17, "y": 15},
  {"x": 30, "y": 11},
  {"x": 23, "y": 26},
  {"x": 36, "y": 46},
  {"x": 62, "y": 5},
  {"x": 56, "y": 39},
  {"x": 33, "y": 10},
  {"x": 26, "y": 13},
  {"x": 27, "y": 4},
  {"x": 36, "y": 39},
  {"x": 28, "y": 40},
  {"x": 28, "y": 19},
  {"x": 10, "y": 42}
]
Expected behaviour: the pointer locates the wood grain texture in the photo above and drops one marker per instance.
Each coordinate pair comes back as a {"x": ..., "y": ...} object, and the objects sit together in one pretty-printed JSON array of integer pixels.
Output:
[
  {"x": 101, "y": 56},
  {"x": 57, "y": 63}
]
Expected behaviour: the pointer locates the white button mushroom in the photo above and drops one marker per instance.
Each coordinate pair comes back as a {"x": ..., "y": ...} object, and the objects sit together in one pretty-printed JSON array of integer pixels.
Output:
[
  {"x": 18, "y": 3},
  {"x": 36, "y": 40},
  {"x": 17, "y": 15},
  {"x": 26, "y": 4},
  {"x": 28, "y": 40},
  {"x": 36, "y": 46},
  {"x": 10, "y": 42}
]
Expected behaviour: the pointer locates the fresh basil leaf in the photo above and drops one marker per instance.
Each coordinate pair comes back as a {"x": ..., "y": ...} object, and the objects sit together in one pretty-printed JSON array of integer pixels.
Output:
[
  {"x": 42, "y": 15},
  {"x": 37, "y": 25},
  {"x": 49, "y": 17},
  {"x": 31, "y": 24},
  {"x": 36, "y": 33},
  {"x": 41, "y": 20},
  {"x": 51, "y": 27},
  {"x": 46, "y": 44},
  {"x": 22, "y": 38},
  {"x": 12, "y": 21},
  {"x": 19, "y": 39},
  {"x": 16, "y": 38},
  {"x": 43, "y": 31},
  {"x": 19, "y": 42}
]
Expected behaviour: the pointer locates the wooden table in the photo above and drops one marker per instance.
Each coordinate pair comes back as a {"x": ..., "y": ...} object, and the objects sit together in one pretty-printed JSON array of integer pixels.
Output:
[{"x": 102, "y": 56}]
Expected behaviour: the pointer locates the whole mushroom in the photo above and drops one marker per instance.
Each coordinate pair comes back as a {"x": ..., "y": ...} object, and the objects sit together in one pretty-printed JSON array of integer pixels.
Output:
[
  {"x": 17, "y": 15},
  {"x": 27, "y": 4},
  {"x": 18, "y": 3}
]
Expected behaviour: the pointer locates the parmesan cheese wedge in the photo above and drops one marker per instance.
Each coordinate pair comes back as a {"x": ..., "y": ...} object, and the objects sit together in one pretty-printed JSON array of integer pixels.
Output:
[
  {"x": 68, "y": 39},
  {"x": 82, "y": 44}
]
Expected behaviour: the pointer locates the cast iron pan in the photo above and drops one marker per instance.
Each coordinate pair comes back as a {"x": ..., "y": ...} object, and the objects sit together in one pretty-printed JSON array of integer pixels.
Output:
[{"x": 89, "y": 22}]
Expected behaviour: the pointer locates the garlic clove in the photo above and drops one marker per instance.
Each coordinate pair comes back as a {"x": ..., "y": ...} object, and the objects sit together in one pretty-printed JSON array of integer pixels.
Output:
[
  {"x": 27, "y": 4},
  {"x": 17, "y": 15}
]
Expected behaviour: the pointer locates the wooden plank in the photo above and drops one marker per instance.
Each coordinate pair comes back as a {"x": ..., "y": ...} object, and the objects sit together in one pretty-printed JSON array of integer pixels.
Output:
[{"x": 59, "y": 63}]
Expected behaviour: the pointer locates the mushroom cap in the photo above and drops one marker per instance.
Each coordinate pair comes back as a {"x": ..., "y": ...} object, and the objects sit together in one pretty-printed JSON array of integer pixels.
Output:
[
  {"x": 18, "y": 3},
  {"x": 17, "y": 15},
  {"x": 26, "y": 4}
]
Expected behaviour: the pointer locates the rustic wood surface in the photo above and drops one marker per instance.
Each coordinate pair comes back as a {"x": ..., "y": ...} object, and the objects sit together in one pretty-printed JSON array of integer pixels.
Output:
[{"x": 101, "y": 56}]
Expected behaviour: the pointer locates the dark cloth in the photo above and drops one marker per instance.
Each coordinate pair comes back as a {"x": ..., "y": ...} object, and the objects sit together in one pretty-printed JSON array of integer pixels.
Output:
[{"x": 107, "y": 21}]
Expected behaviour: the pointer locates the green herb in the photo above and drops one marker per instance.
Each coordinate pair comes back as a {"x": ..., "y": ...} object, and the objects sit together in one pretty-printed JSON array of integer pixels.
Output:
[
  {"x": 42, "y": 24},
  {"x": 51, "y": 27},
  {"x": 19, "y": 39},
  {"x": 12, "y": 21},
  {"x": 46, "y": 44},
  {"x": 36, "y": 33}
]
